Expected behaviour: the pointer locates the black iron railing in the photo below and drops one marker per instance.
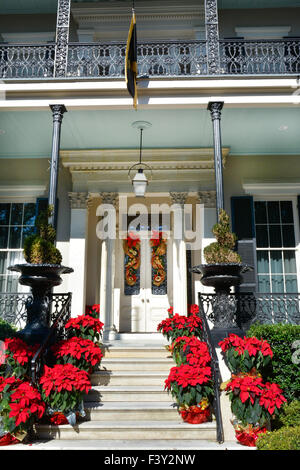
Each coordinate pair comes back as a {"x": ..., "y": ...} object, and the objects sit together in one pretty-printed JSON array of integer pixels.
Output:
[
  {"x": 217, "y": 380},
  {"x": 57, "y": 332},
  {"x": 155, "y": 59},
  {"x": 267, "y": 308},
  {"x": 13, "y": 306}
]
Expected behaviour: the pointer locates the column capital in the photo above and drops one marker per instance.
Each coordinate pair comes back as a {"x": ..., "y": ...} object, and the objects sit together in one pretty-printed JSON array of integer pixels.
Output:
[
  {"x": 109, "y": 198},
  {"x": 215, "y": 108},
  {"x": 179, "y": 197},
  {"x": 58, "y": 111},
  {"x": 208, "y": 198},
  {"x": 78, "y": 200}
]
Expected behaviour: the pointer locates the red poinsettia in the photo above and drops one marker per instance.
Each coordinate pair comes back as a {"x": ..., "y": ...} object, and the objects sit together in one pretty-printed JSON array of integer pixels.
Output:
[
  {"x": 93, "y": 310},
  {"x": 21, "y": 404},
  {"x": 191, "y": 350},
  {"x": 16, "y": 356},
  {"x": 85, "y": 326},
  {"x": 272, "y": 397},
  {"x": 83, "y": 353},
  {"x": 245, "y": 354},
  {"x": 63, "y": 387},
  {"x": 252, "y": 400},
  {"x": 189, "y": 385},
  {"x": 180, "y": 325}
]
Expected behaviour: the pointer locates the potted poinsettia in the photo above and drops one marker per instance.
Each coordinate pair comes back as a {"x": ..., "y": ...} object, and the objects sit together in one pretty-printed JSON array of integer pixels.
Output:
[
  {"x": 254, "y": 403},
  {"x": 86, "y": 327},
  {"x": 180, "y": 325},
  {"x": 63, "y": 388},
  {"x": 246, "y": 354},
  {"x": 15, "y": 357},
  {"x": 192, "y": 389},
  {"x": 190, "y": 350},
  {"x": 80, "y": 352},
  {"x": 21, "y": 405}
]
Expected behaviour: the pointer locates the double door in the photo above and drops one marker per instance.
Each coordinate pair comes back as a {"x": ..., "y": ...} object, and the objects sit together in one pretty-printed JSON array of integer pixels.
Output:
[{"x": 144, "y": 304}]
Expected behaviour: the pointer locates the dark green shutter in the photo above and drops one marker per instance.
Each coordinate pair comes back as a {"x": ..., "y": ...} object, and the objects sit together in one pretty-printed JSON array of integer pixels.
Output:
[{"x": 242, "y": 216}]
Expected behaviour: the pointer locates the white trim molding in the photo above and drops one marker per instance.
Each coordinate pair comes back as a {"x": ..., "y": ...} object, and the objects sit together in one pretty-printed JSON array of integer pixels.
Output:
[
  {"x": 272, "y": 188},
  {"x": 16, "y": 192}
]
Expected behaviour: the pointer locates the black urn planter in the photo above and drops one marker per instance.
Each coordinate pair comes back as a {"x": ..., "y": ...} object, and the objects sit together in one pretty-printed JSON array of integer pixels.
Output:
[
  {"x": 223, "y": 276},
  {"x": 41, "y": 278}
]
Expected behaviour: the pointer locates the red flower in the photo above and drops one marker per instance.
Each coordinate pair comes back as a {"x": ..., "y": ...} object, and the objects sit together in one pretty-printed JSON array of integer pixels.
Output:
[
  {"x": 85, "y": 321},
  {"x": 24, "y": 400},
  {"x": 248, "y": 386},
  {"x": 233, "y": 341},
  {"x": 64, "y": 377},
  {"x": 20, "y": 351},
  {"x": 186, "y": 375},
  {"x": 78, "y": 348},
  {"x": 272, "y": 397}
]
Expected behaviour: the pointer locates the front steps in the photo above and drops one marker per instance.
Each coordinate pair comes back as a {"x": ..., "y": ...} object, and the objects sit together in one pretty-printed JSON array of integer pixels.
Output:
[{"x": 128, "y": 402}]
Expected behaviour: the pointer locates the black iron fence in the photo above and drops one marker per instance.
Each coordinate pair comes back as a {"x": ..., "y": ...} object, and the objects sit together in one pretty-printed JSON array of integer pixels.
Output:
[
  {"x": 13, "y": 307},
  {"x": 155, "y": 59},
  {"x": 266, "y": 308}
]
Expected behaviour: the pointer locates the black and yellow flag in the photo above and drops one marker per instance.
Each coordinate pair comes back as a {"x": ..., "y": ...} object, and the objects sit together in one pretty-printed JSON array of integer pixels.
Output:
[{"x": 131, "y": 60}]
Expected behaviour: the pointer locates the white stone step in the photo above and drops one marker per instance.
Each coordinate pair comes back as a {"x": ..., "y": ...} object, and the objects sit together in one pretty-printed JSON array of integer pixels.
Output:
[
  {"x": 142, "y": 364},
  {"x": 124, "y": 411},
  {"x": 135, "y": 351},
  {"x": 129, "y": 430},
  {"x": 127, "y": 393},
  {"x": 105, "y": 378},
  {"x": 127, "y": 445}
]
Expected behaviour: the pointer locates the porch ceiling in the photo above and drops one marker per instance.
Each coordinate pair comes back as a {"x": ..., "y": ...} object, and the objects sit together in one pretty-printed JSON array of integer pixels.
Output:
[{"x": 258, "y": 131}]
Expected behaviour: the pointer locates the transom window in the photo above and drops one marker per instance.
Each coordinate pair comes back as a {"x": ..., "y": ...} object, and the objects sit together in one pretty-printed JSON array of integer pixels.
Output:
[
  {"x": 276, "y": 247},
  {"x": 16, "y": 223}
]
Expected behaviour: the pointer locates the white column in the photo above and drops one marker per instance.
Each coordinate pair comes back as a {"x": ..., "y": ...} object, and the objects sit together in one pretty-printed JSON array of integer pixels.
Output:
[
  {"x": 78, "y": 250},
  {"x": 179, "y": 255},
  {"x": 107, "y": 277}
]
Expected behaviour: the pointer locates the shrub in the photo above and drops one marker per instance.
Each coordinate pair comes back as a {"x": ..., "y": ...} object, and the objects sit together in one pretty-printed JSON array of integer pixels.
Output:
[
  {"x": 287, "y": 438},
  {"x": 282, "y": 370},
  {"x": 6, "y": 330},
  {"x": 290, "y": 414}
]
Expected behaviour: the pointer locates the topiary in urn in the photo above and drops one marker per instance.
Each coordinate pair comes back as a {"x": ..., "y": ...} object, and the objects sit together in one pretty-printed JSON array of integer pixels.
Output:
[
  {"x": 224, "y": 266},
  {"x": 221, "y": 251},
  {"x": 41, "y": 273}
]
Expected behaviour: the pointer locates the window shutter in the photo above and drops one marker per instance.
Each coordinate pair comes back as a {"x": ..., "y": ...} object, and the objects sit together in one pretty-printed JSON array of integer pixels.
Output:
[{"x": 242, "y": 216}]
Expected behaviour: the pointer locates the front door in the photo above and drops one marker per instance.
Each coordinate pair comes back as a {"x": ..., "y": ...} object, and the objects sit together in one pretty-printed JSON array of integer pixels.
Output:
[{"x": 145, "y": 290}]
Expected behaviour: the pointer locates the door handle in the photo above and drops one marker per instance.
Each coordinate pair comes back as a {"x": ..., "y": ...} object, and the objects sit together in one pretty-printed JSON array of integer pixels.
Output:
[
  {"x": 143, "y": 300},
  {"x": 148, "y": 300}
]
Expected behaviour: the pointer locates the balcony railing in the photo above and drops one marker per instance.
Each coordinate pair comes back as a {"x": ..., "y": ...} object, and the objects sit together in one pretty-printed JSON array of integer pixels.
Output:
[
  {"x": 13, "y": 307},
  {"x": 263, "y": 308},
  {"x": 155, "y": 59}
]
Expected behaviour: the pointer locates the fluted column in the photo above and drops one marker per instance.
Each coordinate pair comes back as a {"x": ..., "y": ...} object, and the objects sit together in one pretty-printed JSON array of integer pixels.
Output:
[
  {"x": 179, "y": 254},
  {"x": 107, "y": 275},
  {"x": 215, "y": 108},
  {"x": 78, "y": 250},
  {"x": 58, "y": 111}
]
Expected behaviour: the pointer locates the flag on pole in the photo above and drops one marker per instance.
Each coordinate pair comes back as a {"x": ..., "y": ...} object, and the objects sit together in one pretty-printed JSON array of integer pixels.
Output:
[{"x": 131, "y": 60}]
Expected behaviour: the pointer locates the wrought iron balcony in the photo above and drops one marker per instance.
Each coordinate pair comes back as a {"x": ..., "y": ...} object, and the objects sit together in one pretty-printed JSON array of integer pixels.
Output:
[
  {"x": 257, "y": 307},
  {"x": 155, "y": 59}
]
